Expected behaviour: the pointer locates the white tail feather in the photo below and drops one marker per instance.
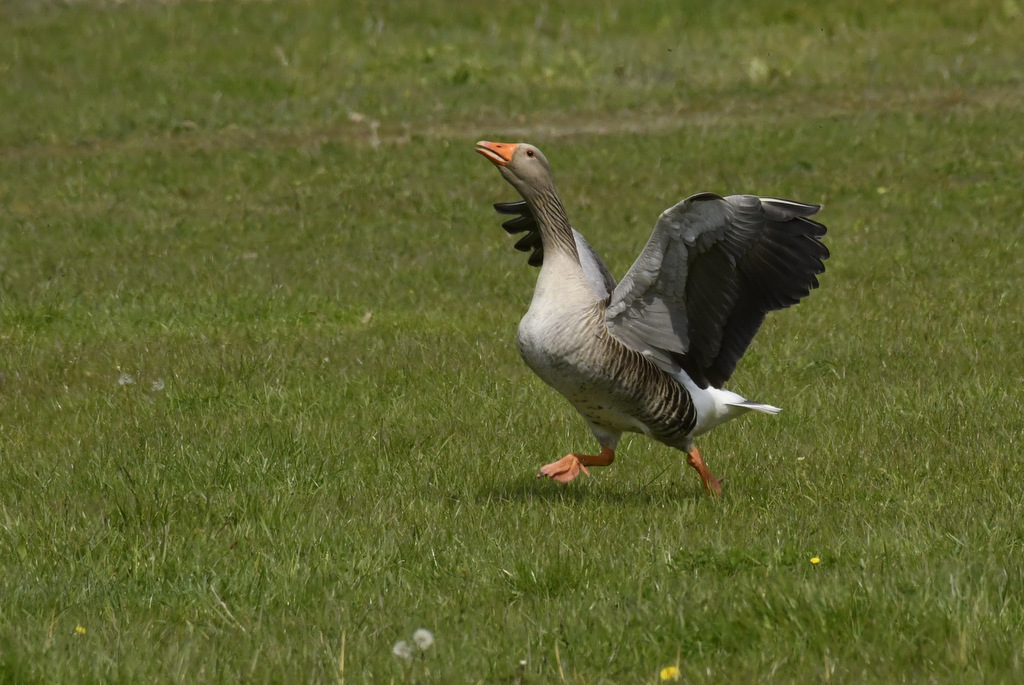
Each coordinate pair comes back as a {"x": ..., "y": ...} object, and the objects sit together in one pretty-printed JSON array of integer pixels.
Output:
[
  {"x": 754, "y": 406},
  {"x": 718, "y": 405}
]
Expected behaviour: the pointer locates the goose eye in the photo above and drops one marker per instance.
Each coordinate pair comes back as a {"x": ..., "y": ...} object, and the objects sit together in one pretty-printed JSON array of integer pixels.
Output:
[{"x": 529, "y": 153}]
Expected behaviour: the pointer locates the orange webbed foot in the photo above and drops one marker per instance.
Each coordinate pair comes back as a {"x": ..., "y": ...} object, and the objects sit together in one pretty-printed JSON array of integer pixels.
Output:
[
  {"x": 568, "y": 467},
  {"x": 564, "y": 470},
  {"x": 713, "y": 486}
]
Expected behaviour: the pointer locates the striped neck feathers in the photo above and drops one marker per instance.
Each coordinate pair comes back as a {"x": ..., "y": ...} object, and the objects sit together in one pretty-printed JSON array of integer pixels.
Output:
[{"x": 555, "y": 229}]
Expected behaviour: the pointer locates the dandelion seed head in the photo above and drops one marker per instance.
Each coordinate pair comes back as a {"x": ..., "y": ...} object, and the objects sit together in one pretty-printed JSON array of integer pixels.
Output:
[
  {"x": 158, "y": 385},
  {"x": 402, "y": 650},
  {"x": 758, "y": 70},
  {"x": 125, "y": 379},
  {"x": 423, "y": 638}
]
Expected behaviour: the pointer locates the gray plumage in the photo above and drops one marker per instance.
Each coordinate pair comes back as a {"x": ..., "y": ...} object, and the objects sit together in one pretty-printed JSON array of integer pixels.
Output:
[{"x": 652, "y": 352}]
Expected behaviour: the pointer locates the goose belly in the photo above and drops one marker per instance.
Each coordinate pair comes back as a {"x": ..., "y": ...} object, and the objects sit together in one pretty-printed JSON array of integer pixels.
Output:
[
  {"x": 613, "y": 387},
  {"x": 561, "y": 348}
]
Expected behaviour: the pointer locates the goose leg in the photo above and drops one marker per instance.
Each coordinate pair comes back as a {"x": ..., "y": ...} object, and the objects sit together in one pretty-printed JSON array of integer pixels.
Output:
[
  {"x": 569, "y": 466},
  {"x": 712, "y": 485}
]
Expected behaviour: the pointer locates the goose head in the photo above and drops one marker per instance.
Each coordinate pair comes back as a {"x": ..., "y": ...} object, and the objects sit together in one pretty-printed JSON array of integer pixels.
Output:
[{"x": 521, "y": 164}]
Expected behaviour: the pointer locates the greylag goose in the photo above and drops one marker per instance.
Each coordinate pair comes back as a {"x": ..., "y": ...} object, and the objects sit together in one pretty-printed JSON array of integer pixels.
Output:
[{"x": 652, "y": 353}]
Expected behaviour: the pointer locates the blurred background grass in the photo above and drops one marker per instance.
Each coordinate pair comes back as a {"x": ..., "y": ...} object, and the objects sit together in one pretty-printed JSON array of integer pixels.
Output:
[{"x": 259, "y": 396}]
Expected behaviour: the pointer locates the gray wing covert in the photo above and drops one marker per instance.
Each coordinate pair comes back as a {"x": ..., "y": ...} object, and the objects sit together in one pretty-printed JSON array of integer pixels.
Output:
[
  {"x": 594, "y": 268},
  {"x": 711, "y": 271}
]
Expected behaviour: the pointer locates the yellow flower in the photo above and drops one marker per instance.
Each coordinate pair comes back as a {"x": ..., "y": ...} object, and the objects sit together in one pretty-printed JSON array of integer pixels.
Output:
[
  {"x": 815, "y": 560},
  {"x": 79, "y": 630},
  {"x": 670, "y": 673}
]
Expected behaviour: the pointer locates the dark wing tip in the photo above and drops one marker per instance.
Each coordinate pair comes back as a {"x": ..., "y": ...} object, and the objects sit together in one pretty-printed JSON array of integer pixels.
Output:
[
  {"x": 524, "y": 223},
  {"x": 776, "y": 270},
  {"x": 517, "y": 207},
  {"x": 780, "y": 209},
  {"x": 519, "y": 225},
  {"x": 530, "y": 241}
]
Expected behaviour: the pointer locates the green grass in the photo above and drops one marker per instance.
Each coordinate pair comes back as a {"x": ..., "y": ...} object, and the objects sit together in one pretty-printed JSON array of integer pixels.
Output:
[{"x": 270, "y": 217}]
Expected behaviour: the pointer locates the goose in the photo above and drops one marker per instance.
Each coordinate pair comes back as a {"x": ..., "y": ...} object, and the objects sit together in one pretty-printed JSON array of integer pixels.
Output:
[{"x": 651, "y": 353}]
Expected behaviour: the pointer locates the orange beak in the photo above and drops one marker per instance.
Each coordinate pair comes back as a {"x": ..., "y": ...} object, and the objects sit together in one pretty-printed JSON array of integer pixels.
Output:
[{"x": 499, "y": 153}]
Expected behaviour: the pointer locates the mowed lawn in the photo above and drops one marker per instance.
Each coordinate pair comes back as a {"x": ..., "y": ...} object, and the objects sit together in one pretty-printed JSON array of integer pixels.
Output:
[{"x": 261, "y": 411}]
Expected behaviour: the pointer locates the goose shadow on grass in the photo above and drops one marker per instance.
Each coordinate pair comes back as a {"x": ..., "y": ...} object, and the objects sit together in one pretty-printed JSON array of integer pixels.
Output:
[{"x": 662, "y": 489}]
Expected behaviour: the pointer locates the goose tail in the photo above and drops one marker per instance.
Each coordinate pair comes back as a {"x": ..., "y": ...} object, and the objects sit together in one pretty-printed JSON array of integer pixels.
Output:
[{"x": 755, "y": 406}]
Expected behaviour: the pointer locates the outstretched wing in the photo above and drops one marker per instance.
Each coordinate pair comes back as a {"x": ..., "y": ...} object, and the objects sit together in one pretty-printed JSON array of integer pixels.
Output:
[
  {"x": 711, "y": 271},
  {"x": 594, "y": 268}
]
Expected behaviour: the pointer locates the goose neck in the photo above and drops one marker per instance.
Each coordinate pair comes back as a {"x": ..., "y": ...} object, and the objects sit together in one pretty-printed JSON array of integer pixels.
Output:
[{"x": 555, "y": 229}]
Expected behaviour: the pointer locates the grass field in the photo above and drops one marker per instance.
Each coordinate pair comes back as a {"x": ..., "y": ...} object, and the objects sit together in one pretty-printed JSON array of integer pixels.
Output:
[{"x": 261, "y": 412}]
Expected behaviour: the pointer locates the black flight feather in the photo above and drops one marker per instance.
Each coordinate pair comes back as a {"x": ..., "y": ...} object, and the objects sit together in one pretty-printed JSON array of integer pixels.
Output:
[{"x": 524, "y": 223}]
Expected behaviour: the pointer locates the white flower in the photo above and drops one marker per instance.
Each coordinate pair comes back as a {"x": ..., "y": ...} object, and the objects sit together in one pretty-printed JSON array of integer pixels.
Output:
[
  {"x": 423, "y": 638},
  {"x": 402, "y": 650}
]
